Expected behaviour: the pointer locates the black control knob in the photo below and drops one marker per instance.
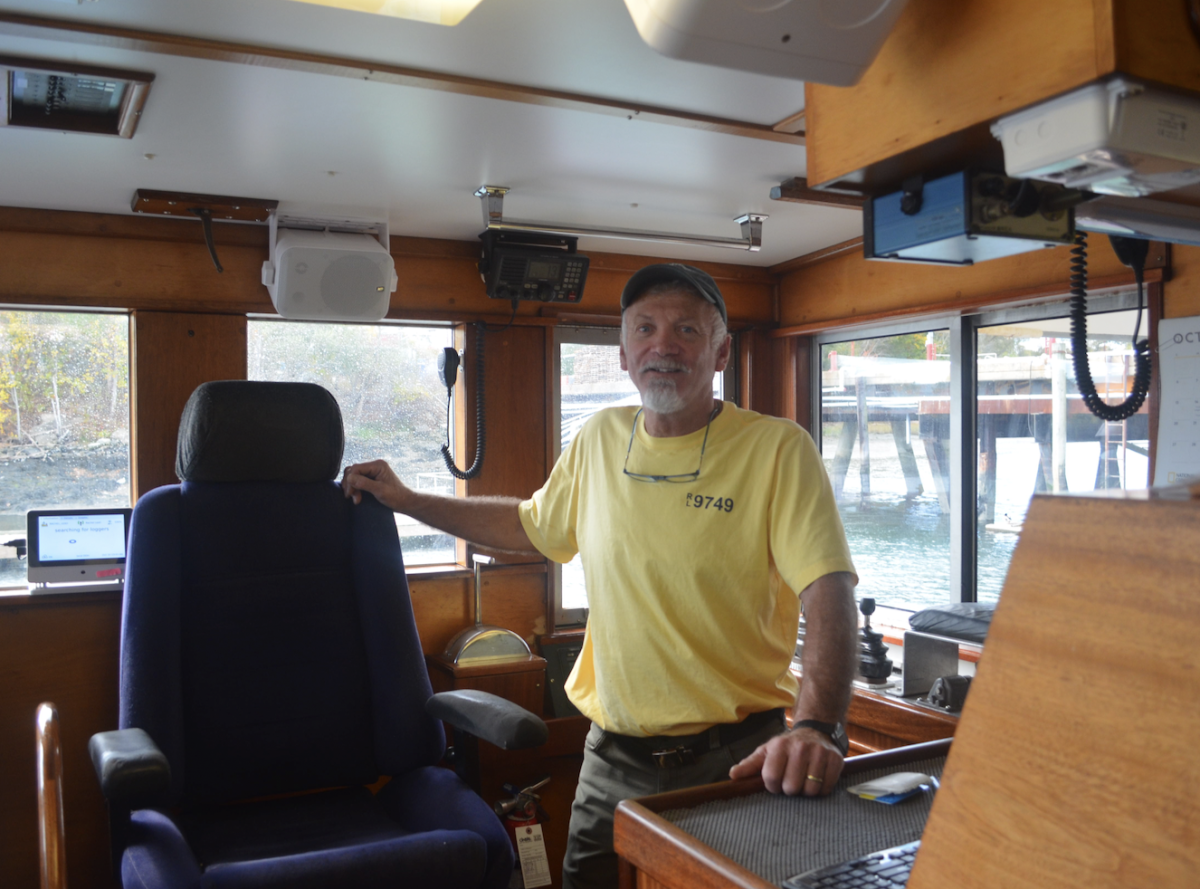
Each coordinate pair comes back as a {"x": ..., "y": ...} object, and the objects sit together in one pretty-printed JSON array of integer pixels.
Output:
[{"x": 874, "y": 665}]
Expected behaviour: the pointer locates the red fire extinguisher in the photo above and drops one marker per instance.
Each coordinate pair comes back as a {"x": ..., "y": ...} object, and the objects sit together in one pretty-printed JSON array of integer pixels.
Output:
[
  {"x": 521, "y": 808},
  {"x": 520, "y": 812},
  {"x": 522, "y": 816}
]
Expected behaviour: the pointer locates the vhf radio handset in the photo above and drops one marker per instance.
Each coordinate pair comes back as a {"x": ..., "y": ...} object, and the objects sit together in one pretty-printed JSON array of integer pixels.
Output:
[{"x": 448, "y": 363}]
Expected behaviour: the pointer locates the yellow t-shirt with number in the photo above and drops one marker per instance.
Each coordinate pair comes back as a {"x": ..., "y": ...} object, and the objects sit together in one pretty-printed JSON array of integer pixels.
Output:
[{"x": 692, "y": 587}]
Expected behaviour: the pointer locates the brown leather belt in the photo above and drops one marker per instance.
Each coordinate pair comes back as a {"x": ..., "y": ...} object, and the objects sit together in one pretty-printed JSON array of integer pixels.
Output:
[{"x": 672, "y": 751}]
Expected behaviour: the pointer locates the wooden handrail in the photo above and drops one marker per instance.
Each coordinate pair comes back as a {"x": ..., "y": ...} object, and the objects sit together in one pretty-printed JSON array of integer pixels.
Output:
[{"x": 50, "y": 808}]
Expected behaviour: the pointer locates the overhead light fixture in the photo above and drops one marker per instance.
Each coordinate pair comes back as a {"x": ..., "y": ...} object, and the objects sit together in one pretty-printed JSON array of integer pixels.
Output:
[
  {"x": 67, "y": 97},
  {"x": 435, "y": 12},
  {"x": 492, "y": 197},
  {"x": 1144, "y": 218}
]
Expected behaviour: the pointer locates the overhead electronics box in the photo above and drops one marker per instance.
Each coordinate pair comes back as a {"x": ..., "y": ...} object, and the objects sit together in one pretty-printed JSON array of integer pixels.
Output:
[
  {"x": 825, "y": 41},
  {"x": 329, "y": 270},
  {"x": 523, "y": 265},
  {"x": 965, "y": 218},
  {"x": 1116, "y": 137}
]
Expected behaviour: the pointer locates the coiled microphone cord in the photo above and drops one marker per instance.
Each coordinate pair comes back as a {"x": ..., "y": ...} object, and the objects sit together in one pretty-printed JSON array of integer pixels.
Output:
[
  {"x": 1083, "y": 374},
  {"x": 480, "y": 435}
]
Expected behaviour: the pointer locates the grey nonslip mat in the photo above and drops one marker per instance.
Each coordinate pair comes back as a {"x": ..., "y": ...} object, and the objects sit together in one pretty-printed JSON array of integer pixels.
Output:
[{"x": 778, "y": 836}]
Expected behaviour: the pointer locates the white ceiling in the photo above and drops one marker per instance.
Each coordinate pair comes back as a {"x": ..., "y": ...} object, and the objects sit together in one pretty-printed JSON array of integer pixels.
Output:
[{"x": 322, "y": 144}]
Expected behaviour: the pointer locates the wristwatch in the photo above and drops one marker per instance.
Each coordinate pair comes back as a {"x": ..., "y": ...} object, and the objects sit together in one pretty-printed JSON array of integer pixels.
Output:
[{"x": 835, "y": 730}]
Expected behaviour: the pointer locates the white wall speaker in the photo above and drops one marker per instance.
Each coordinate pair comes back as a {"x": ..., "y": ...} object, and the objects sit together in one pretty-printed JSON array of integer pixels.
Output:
[{"x": 329, "y": 275}]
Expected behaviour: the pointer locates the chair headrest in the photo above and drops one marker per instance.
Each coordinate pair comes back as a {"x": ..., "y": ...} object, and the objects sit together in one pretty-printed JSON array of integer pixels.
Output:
[{"x": 241, "y": 431}]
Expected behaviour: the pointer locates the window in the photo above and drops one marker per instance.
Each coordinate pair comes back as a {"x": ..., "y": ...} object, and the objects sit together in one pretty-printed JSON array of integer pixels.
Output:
[
  {"x": 936, "y": 437},
  {"x": 64, "y": 418},
  {"x": 1033, "y": 431},
  {"x": 394, "y": 407},
  {"x": 885, "y": 410},
  {"x": 590, "y": 378}
]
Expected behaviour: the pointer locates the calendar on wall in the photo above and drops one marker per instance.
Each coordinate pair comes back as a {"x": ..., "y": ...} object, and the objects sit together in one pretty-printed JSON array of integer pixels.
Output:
[{"x": 1177, "y": 458}]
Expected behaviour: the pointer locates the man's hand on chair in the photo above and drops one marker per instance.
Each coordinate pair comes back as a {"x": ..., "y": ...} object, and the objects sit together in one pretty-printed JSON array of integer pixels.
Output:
[{"x": 377, "y": 479}]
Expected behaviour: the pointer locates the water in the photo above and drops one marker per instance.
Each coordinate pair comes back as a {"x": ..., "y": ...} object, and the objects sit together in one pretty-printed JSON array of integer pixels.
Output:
[{"x": 901, "y": 546}]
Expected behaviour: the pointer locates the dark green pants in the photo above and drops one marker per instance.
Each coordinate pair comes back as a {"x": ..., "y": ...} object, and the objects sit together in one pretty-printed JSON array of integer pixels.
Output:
[{"x": 609, "y": 775}]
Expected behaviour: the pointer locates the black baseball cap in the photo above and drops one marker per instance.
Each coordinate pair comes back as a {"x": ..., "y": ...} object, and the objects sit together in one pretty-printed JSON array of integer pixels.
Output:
[{"x": 673, "y": 273}]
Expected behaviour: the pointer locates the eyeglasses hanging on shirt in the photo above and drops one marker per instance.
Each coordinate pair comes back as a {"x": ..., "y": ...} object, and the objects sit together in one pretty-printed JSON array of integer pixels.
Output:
[{"x": 682, "y": 478}]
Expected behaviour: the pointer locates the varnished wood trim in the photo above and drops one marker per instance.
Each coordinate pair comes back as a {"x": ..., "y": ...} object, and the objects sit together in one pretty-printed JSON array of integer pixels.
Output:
[
  {"x": 437, "y": 572},
  {"x": 797, "y": 191},
  {"x": 960, "y": 306},
  {"x": 111, "y": 36},
  {"x": 793, "y": 123},
  {"x": 143, "y": 228},
  {"x": 664, "y": 852},
  {"x": 894, "y": 723},
  {"x": 53, "y": 857},
  {"x": 852, "y": 246}
]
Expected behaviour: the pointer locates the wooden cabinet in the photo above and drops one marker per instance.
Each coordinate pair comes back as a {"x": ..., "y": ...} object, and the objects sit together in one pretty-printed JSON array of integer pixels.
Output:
[
  {"x": 523, "y": 682},
  {"x": 948, "y": 70},
  {"x": 520, "y": 681}
]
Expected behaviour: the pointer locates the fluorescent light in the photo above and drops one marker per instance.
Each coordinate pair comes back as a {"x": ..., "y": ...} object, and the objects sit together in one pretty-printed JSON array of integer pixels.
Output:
[
  {"x": 436, "y": 12},
  {"x": 1140, "y": 218}
]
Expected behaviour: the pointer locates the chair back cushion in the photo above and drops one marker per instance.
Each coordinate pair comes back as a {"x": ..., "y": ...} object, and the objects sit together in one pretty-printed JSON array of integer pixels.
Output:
[
  {"x": 240, "y": 430},
  {"x": 268, "y": 640}
]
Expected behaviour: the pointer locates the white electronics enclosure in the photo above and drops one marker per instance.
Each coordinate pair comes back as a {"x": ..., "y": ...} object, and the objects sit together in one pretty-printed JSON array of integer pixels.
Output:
[
  {"x": 825, "y": 41},
  {"x": 329, "y": 271},
  {"x": 1116, "y": 137},
  {"x": 73, "y": 550}
]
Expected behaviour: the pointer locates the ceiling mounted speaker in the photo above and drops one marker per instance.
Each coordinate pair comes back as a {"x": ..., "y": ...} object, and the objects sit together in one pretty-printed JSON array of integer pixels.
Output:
[{"x": 329, "y": 275}]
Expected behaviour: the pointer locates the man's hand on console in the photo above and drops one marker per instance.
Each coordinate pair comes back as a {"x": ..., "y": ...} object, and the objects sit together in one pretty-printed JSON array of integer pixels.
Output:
[
  {"x": 800, "y": 761},
  {"x": 378, "y": 479}
]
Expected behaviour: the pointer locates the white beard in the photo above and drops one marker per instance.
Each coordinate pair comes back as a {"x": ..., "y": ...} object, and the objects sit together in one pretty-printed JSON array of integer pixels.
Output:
[{"x": 662, "y": 397}]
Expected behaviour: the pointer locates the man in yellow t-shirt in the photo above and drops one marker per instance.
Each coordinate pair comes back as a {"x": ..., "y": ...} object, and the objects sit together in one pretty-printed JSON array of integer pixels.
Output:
[{"x": 701, "y": 528}]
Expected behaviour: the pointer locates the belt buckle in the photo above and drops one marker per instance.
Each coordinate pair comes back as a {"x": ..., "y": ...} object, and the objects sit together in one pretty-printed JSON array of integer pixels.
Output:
[{"x": 673, "y": 757}]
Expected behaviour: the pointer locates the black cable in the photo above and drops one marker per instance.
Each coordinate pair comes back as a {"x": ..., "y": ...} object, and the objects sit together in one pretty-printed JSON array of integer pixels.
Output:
[
  {"x": 1111, "y": 413},
  {"x": 511, "y": 319},
  {"x": 477, "y": 465},
  {"x": 205, "y": 215}
]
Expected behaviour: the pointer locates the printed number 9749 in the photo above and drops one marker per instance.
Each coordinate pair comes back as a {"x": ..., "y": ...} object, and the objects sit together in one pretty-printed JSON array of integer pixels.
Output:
[{"x": 699, "y": 501}]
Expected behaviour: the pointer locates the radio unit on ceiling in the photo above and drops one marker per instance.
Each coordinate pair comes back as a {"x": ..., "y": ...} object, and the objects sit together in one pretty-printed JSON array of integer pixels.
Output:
[
  {"x": 966, "y": 217},
  {"x": 524, "y": 265}
]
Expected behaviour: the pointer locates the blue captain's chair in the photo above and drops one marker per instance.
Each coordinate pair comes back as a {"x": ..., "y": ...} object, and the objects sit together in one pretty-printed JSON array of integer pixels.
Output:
[{"x": 271, "y": 675}]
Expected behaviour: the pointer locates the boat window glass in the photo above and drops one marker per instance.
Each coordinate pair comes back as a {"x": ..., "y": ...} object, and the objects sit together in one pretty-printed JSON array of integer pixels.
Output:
[
  {"x": 1036, "y": 435},
  {"x": 394, "y": 407},
  {"x": 935, "y": 439},
  {"x": 64, "y": 419},
  {"x": 885, "y": 434}
]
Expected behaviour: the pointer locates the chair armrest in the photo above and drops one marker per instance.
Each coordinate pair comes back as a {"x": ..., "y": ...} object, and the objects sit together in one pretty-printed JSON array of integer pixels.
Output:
[
  {"x": 133, "y": 772},
  {"x": 490, "y": 717}
]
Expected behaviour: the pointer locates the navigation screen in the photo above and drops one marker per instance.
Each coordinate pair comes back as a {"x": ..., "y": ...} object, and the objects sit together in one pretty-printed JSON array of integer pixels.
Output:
[
  {"x": 544, "y": 271},
  {"x": 76, "y": 537}
]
